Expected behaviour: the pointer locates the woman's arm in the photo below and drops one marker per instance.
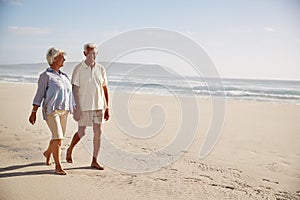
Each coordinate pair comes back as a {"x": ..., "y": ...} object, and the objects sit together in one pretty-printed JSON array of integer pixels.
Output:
[
  {"x": 32, "y": 117},
  {"x": 39, "y": 96}
]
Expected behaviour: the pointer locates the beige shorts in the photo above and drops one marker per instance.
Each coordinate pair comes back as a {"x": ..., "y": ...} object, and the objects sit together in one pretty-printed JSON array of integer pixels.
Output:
[
  {"x": 57, "y": 122},
  {"x": 87, "y": 118}
]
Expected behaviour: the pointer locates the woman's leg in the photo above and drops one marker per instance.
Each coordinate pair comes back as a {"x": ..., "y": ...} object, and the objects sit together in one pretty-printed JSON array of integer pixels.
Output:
[
  {"x": 57, "y": 125},
  {"x": 47, "y": 153},
  {"x": 56, "y": 152}
]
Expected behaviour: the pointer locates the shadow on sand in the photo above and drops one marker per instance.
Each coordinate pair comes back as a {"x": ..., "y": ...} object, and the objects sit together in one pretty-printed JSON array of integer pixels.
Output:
[{"x": 4, "y": 172}]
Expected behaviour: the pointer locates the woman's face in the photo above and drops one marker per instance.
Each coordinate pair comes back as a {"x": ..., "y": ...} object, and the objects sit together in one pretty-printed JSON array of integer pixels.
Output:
[{"x": 59, "y": 60}]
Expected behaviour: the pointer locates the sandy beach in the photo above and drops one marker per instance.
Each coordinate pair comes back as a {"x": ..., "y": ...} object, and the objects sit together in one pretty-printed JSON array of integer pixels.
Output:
[{"x": 256, "y": 157}]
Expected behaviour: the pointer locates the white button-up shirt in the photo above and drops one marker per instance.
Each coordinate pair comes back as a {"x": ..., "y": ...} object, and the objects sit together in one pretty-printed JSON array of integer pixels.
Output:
[{"x": 90, "y": 81}]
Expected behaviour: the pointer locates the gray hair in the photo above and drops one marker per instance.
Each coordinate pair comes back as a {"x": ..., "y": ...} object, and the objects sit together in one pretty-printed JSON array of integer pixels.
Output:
[
  {"x": 89, "y": 45},
  {"x": 52, "y": 53}
]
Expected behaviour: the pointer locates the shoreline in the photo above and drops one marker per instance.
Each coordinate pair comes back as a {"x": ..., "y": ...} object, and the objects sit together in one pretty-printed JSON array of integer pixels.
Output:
[
  {"x": 256, "y": 156},
  {"x": 226, "y": 98}
]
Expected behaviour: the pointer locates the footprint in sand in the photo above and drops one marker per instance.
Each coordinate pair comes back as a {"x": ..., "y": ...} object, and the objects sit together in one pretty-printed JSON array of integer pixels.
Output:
[
  {"x": 267, "y": 180},
  {"x": 285, "y": 163}
]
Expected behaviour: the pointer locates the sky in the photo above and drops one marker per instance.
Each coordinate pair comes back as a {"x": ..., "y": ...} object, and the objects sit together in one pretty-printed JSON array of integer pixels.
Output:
[{"x": 257, "y": 39}]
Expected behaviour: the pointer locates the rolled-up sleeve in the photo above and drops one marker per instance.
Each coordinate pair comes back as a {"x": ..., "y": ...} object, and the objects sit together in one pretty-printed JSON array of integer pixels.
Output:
[
  {"x": 104, "y": 78},
  {"x": 41, "y": 90}
]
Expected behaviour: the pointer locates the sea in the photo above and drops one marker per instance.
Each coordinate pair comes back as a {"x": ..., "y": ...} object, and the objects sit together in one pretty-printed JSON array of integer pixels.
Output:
[{"x": 154, "y": 79}]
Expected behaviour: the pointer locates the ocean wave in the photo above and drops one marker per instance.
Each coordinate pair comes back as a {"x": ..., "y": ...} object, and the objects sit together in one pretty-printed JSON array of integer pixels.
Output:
[
  {"x": 241, "y": 89},
  {"x": 258, "y": 90},
  {"x": 19, "y": 78}
]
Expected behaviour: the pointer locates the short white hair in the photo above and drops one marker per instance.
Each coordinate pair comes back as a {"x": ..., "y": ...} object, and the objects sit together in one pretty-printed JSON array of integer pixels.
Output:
[
  {"x": 52, "y": 53},
  {"x": 89, "y": 45}
]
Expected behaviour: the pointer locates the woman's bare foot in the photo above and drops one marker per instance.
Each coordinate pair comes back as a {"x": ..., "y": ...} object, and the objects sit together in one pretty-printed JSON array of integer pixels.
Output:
[
  {"x": 96, "y": 165},
  {"x": 47, "y": 156},
  {"x": 69, "y": 156}
]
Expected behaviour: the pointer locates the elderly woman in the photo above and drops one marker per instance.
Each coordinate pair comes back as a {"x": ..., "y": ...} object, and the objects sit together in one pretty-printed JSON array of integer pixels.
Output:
[{"x": 54, "y": 93}]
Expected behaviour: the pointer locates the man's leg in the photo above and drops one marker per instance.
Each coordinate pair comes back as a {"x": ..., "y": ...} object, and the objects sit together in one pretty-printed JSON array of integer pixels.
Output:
[
  {"x": 75, "y": 140},
  {"x": 97, "y": 143}
]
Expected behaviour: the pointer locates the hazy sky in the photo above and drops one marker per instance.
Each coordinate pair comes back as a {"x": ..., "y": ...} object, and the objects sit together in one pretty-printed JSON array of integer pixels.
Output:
[{"x": 244, "y": 38}]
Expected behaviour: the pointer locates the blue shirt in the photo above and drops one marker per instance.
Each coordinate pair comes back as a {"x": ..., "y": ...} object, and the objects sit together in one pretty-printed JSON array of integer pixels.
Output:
[{"x": 54, "y": 92}]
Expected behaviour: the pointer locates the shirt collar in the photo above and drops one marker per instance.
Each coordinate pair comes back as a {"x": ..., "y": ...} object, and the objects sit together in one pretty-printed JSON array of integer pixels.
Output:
[
  {"x": 53, "y": 71},
  {"x": 86, "y": 66}
]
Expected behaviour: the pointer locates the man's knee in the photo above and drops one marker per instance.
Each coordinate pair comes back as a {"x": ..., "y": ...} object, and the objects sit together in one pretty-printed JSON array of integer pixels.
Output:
[
  {"x": 81, "y": 131},
  {"x": 97, "y": 130},
  {"x": 57, "y": 142}
]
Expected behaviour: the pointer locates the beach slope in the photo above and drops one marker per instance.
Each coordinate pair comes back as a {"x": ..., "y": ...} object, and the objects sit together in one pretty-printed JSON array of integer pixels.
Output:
[{"x": 256, "y": 157}]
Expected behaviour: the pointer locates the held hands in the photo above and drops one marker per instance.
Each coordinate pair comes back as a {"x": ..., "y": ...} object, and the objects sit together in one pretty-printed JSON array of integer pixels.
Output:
[{"x": 77, "y": 114}]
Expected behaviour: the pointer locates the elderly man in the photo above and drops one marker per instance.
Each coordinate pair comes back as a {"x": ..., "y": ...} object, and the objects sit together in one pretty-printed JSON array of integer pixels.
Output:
[{"x": 91, "y": 97}]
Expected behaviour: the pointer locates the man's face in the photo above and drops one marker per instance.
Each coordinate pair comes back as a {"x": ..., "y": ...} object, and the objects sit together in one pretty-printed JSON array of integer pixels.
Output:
[{"x": 91, "y": 54}]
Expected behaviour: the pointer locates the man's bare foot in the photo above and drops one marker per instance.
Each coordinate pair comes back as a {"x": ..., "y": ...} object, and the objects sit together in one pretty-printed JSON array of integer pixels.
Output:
[
  {"x": 60, "y": 172},
  {"x": 47, "y": 156},
  {"x": 69, "y": 156},
  {"x": 96, "y": 165}
]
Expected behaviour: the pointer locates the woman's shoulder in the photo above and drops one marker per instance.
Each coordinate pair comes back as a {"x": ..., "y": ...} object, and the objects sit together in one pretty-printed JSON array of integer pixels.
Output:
[{"x": 45, "y": 72}]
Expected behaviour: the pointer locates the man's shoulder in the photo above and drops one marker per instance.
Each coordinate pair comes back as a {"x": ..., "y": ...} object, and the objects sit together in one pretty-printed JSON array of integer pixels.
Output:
[
  {"x": 100, "y": 66},
  {"x": 77, "y": 67}
]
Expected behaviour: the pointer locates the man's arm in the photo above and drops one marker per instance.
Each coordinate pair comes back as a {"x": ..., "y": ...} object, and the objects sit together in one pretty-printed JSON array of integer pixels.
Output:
[
  {"x": 106, "y": 113},
  {"x": 77, "y": 112},
  {"x": 105, "y": 94}
]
